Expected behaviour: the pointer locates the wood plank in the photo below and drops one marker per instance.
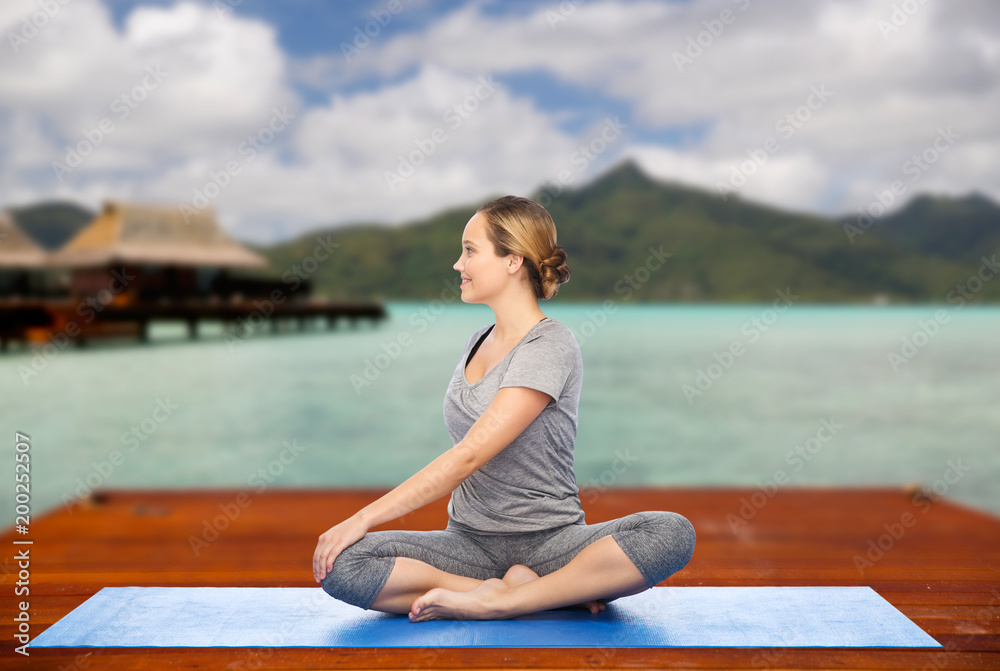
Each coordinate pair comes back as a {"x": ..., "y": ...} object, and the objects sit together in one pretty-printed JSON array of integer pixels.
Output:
[
  {"x": 114, "y": 659},
  {"x": 941, "y": 572}
]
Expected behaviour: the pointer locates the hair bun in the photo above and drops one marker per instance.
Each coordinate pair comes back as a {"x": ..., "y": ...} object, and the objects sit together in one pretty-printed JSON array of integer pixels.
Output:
[
  {"x": 554, "y": 271},
  {"x": 557, "y": 258}
]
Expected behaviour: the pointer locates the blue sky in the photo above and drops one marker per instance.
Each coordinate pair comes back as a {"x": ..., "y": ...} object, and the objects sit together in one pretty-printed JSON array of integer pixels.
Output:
[{"x": 254, "y": 108}]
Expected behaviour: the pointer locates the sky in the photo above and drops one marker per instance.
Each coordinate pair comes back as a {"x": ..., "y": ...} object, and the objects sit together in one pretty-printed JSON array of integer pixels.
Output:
[{"x": 290, "y": 116}]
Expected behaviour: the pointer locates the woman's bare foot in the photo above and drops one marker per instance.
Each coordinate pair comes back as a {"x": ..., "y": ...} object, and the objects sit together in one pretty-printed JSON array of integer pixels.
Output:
[
  {"x": 439, "y": 602},
  {"x": 481, "y": 603},
  {"x": 485, "y": 602}
]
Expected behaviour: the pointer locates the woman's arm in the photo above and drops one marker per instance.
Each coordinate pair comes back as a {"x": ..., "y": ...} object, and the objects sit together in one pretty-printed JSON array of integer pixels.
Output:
[{"x": 509, "y": 414}]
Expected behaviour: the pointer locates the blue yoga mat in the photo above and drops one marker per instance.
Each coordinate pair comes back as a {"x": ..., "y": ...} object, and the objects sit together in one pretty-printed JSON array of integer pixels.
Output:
[{"x": 211, "y": 617}]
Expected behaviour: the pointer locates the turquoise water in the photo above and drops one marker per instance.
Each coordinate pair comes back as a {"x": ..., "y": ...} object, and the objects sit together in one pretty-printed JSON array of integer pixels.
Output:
[{"x": 282, "y": 411}]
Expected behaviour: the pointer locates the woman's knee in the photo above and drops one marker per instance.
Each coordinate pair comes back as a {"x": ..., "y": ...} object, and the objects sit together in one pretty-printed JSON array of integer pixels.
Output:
[
  {"x": 677, "y": 532},
  {"x": 681, "y": 529},
  {"x": 358, "y": 573},
  {"x": 660, "y": 543},
  {"x": 664, "y": 523}
]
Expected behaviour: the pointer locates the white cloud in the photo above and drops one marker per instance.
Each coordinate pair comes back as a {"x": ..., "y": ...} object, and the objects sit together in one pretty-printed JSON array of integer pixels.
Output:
[
  {"x": 222, "y": 77},
  {"x": 177, "y": 85},
  {"x": 439, "y": 144},
  {"x": 796, "y": 180},
  {"x": 892, "y": 88},
  {"x": 225, "y": 75}
]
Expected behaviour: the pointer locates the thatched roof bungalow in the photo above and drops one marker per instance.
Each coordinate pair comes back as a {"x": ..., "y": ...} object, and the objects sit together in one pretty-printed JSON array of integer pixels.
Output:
[
  {"x": 152, "y": 252},
  {"x": 142, "y": 234}
]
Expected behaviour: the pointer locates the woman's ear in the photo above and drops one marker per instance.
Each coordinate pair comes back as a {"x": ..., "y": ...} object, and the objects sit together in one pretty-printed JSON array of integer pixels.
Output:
[{"x": 514, "y": 262}]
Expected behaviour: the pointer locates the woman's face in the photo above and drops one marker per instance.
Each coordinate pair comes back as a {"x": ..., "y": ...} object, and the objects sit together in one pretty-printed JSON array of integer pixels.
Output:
[{"x": 484, "y": 274}]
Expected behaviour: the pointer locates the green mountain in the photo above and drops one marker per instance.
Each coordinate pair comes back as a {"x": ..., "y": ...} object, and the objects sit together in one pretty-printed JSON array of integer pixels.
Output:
[
  {"x": 719, "y": 250},
  {"x": 960, "y": 229}
]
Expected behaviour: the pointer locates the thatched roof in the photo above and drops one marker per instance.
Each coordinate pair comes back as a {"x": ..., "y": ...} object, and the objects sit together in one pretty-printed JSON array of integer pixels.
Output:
[
  {"x": 17, "y": 250},
  {"x": 154, "y": 234}
]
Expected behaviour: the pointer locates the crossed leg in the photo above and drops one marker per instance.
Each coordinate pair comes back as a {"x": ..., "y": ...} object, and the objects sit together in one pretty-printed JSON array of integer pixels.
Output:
[
  {"x": 601, "y": 570},
  {"x": 412, "y": 578},
  {"x": 381, "y": 570}
]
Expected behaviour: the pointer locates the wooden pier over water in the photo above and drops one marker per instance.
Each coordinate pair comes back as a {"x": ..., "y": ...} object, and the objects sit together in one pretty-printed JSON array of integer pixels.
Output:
[
  {"x": 64, "y": 322},
  {"x": 943, "y": 572},
  {"x": 136, "y": 263}
]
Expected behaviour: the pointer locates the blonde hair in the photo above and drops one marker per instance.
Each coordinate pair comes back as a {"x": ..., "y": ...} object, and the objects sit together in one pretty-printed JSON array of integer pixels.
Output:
[{"x": 521, "y": 226}]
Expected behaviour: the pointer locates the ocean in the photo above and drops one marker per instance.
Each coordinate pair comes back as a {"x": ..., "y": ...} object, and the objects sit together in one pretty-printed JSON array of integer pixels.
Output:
[{"x": 761, "y": 395}]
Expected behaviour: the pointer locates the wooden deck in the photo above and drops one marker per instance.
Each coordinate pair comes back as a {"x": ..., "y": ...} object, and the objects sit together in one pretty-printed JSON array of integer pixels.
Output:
[{"x": 943, "y": 572}]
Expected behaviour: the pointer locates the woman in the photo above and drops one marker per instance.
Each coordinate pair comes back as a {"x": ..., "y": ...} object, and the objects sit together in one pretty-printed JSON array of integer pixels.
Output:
[{"x": 516, "y": 541}]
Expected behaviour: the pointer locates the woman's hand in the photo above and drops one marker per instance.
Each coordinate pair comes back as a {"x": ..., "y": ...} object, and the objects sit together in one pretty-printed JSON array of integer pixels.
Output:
[{"x": 333, "y": 541}]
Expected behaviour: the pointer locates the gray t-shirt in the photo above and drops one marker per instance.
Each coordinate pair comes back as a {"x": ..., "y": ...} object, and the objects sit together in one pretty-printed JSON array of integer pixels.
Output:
[{"x": 530, "y": 485}]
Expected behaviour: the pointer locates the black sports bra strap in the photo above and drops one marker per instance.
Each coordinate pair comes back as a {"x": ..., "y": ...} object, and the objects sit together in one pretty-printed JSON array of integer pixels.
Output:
[{"x": 475, "y": 348}]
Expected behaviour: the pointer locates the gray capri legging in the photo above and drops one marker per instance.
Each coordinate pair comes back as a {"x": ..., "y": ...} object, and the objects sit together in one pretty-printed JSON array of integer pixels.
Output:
[{"x": 659, "y": 543}]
